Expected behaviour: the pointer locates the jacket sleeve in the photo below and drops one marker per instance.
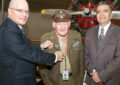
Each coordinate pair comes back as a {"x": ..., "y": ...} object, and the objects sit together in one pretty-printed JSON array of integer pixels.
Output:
[
  {"x": 17, "y": 45},
  {"x": 43, "y": 70},
  {"x": 82, "y": 67},
  {"x": 88, "y": 62}
]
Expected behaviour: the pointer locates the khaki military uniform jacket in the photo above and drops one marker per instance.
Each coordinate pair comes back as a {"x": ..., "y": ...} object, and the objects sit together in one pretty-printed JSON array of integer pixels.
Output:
[{"x": 51, "y": 75}]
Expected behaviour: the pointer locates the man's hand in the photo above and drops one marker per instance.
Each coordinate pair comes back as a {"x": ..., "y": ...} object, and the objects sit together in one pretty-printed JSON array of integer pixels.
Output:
[
  {"x": 47, "y": 44},
  {"x": 59, "y": 55},
  {"x": 95, "y": 77}
]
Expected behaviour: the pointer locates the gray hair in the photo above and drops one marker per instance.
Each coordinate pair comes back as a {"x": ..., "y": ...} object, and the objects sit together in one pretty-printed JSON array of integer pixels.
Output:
[{"x": 105, "y": 3}]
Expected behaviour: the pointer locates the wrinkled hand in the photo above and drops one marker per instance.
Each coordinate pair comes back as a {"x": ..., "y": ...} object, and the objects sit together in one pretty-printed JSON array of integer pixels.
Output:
[
  {"x": 47, "y": 44},
  {"x": 59, "y": 55},
  {"x": 95, "y": 77}
]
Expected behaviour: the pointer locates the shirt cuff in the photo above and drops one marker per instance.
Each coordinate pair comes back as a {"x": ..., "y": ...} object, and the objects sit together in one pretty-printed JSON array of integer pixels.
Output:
[
  {"x": 55, "y": 59},
  {"x": 94, "y": 70},
  {"x": 42, "y": 49}
]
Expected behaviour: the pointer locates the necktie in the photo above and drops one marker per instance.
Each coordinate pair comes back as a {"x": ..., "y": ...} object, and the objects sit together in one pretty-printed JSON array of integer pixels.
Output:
[
  {"x": 65, "y": 64},
  {"x": 101, "y": 36},
  {"x": 22, "y": 30}
]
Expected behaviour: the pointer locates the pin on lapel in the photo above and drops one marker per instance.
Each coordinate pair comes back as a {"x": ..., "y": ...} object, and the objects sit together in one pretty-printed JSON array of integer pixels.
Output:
[{"x": 56, "y": 46}]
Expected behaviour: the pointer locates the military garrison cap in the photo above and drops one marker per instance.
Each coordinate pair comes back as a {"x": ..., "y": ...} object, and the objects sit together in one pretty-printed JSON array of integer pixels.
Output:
[{"x": 61, "y": 16}]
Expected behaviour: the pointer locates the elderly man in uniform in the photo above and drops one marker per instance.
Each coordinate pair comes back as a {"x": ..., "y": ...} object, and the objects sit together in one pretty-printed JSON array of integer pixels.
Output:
[{"x": 71, "y": 70}]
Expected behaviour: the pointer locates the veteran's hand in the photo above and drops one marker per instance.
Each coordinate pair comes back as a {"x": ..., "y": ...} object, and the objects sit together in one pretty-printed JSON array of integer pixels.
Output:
[
  {"x": 47, "y": 44},
  {"x": 59, "y": 55}
]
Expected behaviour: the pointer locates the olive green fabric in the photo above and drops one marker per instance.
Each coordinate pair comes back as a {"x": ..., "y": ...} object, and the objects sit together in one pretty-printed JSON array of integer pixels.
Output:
[{"x": 51, "y": 75}]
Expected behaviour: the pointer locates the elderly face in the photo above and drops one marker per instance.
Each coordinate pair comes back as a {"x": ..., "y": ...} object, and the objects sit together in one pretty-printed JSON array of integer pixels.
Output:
[
  {"x": 19, "y": 13},
  {"x": 103, "y": 14},
  {"x": 62, "y": 28}
]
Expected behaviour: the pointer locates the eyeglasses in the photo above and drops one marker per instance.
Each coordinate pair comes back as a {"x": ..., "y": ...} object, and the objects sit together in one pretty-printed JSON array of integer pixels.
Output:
[{"x": 21, "y": 11}]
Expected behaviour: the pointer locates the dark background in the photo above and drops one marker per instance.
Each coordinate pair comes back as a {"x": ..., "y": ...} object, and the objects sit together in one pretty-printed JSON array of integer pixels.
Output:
[
  {"x": 37, "y": 5},
  {"x": 37, "y": 24}
]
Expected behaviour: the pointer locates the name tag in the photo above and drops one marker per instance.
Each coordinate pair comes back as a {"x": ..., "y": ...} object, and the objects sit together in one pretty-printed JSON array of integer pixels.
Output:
[{"x": 65, "y": 75}]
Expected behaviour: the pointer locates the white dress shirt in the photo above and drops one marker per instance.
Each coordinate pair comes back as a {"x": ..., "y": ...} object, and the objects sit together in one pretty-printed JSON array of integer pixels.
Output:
[{"x": 105, "y": 29}]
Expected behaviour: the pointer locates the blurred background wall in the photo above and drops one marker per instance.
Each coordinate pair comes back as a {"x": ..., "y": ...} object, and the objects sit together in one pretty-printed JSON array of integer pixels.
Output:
[{"x": 38, "y": 24}]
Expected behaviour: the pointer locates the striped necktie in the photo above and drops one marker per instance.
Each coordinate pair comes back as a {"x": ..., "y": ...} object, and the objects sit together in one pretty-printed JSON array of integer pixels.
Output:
[
  {"x": 101, "y": 36},
  {"x": 22, "y": 30}
]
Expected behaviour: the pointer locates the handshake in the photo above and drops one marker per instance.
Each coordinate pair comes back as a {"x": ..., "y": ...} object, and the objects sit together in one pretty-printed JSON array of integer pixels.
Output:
[{"x": 48, "y": 44}]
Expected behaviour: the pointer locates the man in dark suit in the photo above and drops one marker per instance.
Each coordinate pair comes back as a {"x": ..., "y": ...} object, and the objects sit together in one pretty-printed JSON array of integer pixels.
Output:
[
  {"x": 17, "y": 57},
  {"x": 71, "y": 70},
  {"x": 102, "y": 49}
]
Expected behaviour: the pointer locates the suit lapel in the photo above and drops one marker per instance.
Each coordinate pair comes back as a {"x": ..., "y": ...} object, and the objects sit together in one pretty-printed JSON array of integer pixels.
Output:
[
  {"x": 96, "y": 38},
  {"x": 17, "y": 29},
  {"x": 106, "y": 38},
  {"x": 54, "y": 39},
  {"x": 70, "y": 41}
]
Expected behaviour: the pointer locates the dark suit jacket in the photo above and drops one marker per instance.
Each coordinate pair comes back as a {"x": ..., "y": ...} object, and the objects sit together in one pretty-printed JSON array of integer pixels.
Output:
[
  {"x": 17, "y": 57},
  {"x": 51, "y": 75},
  {"x": 105, "y": 59}
]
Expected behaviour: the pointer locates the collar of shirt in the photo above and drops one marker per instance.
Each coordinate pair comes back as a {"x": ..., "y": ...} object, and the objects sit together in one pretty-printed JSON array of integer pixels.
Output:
[
  {"x": 105, "y": 28},
  {"x": 20, "y": 27}
]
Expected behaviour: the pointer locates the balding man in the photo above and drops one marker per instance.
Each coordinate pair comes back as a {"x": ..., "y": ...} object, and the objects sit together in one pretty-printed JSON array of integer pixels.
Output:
[{"x": 17, "y": 57}]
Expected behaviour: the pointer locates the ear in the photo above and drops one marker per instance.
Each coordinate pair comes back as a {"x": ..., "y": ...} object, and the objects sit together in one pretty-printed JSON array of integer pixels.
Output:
[{"x": 54, "y": 25}]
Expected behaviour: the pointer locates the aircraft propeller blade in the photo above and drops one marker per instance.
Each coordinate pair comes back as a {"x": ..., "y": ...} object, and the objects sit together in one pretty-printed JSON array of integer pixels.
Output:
[{"x": 115, "y": 14}]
